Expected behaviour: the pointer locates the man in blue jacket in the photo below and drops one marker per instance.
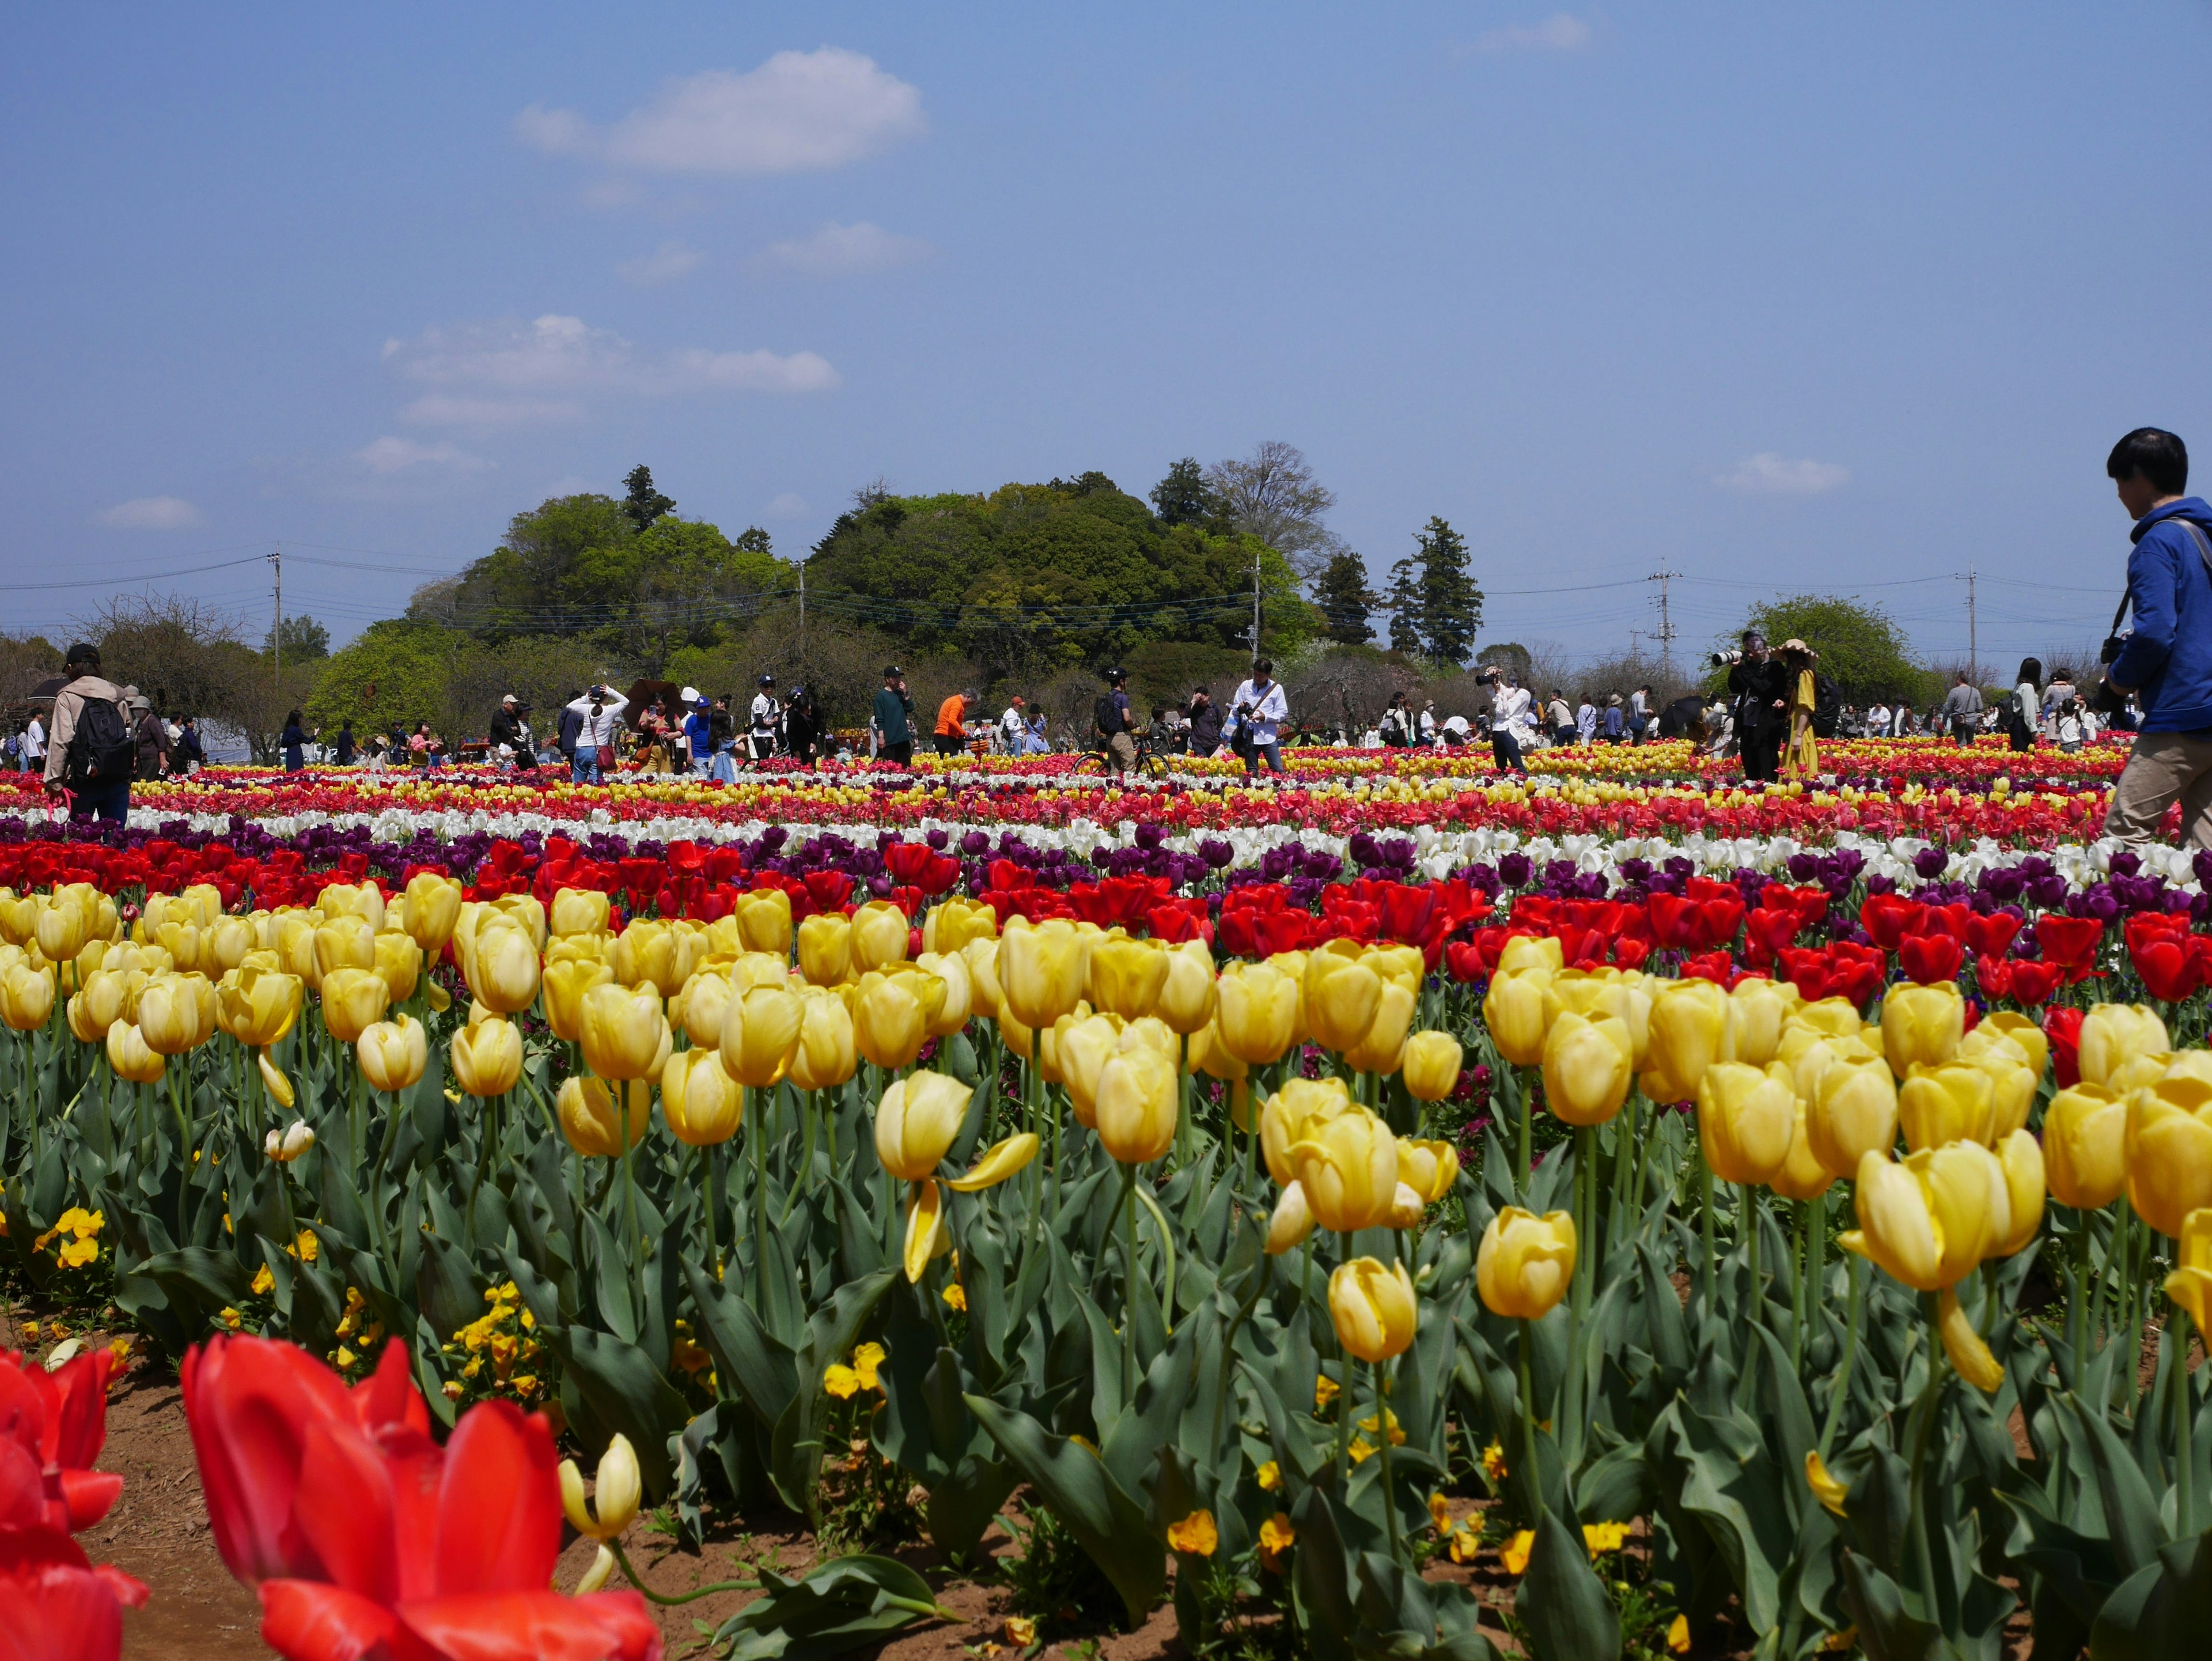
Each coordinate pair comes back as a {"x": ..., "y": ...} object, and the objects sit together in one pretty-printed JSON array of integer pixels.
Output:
[{"x": 2167, "y": 660}]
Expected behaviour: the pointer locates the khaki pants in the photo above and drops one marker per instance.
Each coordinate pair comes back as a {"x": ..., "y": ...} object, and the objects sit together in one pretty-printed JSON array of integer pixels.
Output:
[
  {"x": 1123, "y": 749},
  {"x": 2164, "y": 768}
]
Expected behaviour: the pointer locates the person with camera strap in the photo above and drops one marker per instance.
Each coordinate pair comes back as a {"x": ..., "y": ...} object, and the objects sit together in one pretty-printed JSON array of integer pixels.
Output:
[{"x": 2165, "y": 660}]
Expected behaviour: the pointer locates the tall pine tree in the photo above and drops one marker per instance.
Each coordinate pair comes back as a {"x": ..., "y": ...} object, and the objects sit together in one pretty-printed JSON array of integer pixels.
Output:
[
  {"x": 1405, "y": 604},
  {"x": 1345, "y": 599},
  {"x": 1449, "y": 605}
]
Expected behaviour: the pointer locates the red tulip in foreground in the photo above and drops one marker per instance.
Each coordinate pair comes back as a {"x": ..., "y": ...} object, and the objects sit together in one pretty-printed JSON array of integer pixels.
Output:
[
  {"x": 366, "y": 1538},
  {"x": 56, "y": 1604}
]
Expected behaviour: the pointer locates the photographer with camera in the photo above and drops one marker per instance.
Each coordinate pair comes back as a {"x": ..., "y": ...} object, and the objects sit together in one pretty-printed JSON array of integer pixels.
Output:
[
  {"x": 1509, "y": 708},
  {"x": 1259, "y": 709},
  {"x": 2166, "y": 660},
  {"x": 1761, "y": 715}
]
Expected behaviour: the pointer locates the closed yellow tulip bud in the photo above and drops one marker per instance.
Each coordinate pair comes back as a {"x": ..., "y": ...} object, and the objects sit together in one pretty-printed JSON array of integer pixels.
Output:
[
  {"x": 2020, "y": 1157},
  {"x": 1831, "y": 1018},
  {"x": 170, "y": 1012},
  {"x": 1803, "y": 1176},
  {"x": 828, "y": 1054},
  {"x": 2085, "y": 1141},
  {"x": 81, "y": 1024},
  {"x": 581, "y": 911},
  {"x": 891, "y": 1015},
  {"x": 19, "y": 915},
  {"x": 1432, "y": 1065},
  {"x": 927, "y": 1236},
  {"x": 1383, "y": 1048},
  {"x": 1852, "y": 1112},
  {"x": 1290, "y": 1222},
  {"x": 1003, "y": 1159},
  {"x": 353, "y": 1000},
  {"x": 399, "y": 961},
  {"x": 764, "y": 920},
  {"x": 1517, "y": 1014},
  {"x": 580, "y": 948},
  {"x": 1525, "y": 1262},
  {"x": 959, "y": 991},
  {"x": 1689, "y": 1024},
  {"x": 486, "y": 1056},
  {"x": 503, "y": 969},
  {"x": 1922, "y": 1025},
  {"x": 295, "y": 942},
  {"x": 527, "y": 912},
  {"x": 1586, "y": 1068},
  {"x": 825, "y": 948},
  {"x": 131, "y": 1056},
  {"x": 917, "y": 1120},
  {"x": 2034, "y": 1046},
  {"x": 1041, "y": 970},
  {"x": 1932, "y": 1218},
  {"x": 111, "y": 995},
  {"x": 1373, "y": 1309},
  {"x": 1526, "y": 951},
  {"x": 703, "y": 1104},
  {"x": 1126, "y": 977},
  {"x": 1964, "y": 1345},
  {"x": 880, "y": 936},
  {"x": 227, "y": 943},
  {"x": 433, "y": 906},
  {"x": 1285, "y": 1115},
  {"x": 625, "y": 1033},
  {"x": 647, "y": 954},
  {"x": 393, "y": 1054},
  {"x": 760, "y": 1036},
  {"x": 1341, "y": 997},
  {"x": 1430, "y": 1169},
  {"x": 1135, "y": 1111},
  {"x": 2114, "y": 1033},
  {"x": 592, "y": 1116},
  {"x": 2169, "y": 1152},
  {"x": 2191, "y": 1283},
  {"x": 344, "y": 942},
  {"x": 1076, "y": 1050},
  {"x": 1757, "y": 1010},
  {"x": 619, "y": 1491},
  {"x": 1258, "y": 1012},
  {"x": 700, "y": 1006},
  {"x": 182, "y": 940},
  {"x": 981, "y": 956},
  {"x": 1747, "y": 1119},
  {"x": 256, "y": 1006},
  {"x": 1186, "y": 996},
  {"x": 1348, "y": 1166},
  {"x": 1948, "y": 1103},
  {"x": 565, "y": 985},
  {"x": 27, "y": 997},
  {"x": 61, "y": 931},
  {"x": 953, "y": 923},
  {"x": 2012, "y": 1085},
  {"x": 341, "y": 899}
]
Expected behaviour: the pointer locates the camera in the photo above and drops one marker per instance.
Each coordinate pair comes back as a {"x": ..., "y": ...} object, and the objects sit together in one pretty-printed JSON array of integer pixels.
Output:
[
  {"x": 2113, "y": 645},
  {"x": 1726, "y": 659}
]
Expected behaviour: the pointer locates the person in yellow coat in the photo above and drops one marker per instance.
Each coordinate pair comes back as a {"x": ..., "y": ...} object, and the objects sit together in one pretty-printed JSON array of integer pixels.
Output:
[{"x": 1800, "y": 757}]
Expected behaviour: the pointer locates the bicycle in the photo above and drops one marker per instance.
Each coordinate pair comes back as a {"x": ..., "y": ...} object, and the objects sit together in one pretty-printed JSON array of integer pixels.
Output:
[{"x": 1150, "y": 762}]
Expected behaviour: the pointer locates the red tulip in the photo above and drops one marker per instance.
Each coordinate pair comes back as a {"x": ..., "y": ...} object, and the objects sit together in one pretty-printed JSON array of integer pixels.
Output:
[
  {"x": 55, "y": 1605},
  {"x": 1887, "y": 918},
  {"x": 59, "y": 1421},
  {"x": 2170, "y": 971},
  {"x": 2063, "y": 1027},
  {"x": 2070, "y": 942},
  {"x": 1931, "y": 958}
]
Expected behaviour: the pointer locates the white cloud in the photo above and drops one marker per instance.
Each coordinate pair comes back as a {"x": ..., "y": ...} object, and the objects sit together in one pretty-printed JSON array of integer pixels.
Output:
[
  {"x": 789, "y": 505},
  {"x": 1558, "y": 32},
  {"x": 396, "y": 455},
  {"x": 837, "y": 248},
  {"x": 796, "y": 113},
  {"x": 666, "y": 262},
  {"x": 1769, "y": 474},
  {"x": 541, "y": 366},
  {"x": 149, "y": 514}
]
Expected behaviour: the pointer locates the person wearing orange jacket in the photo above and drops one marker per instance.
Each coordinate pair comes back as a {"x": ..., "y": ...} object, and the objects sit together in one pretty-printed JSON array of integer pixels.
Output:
[{"x": 951, "y": 723}]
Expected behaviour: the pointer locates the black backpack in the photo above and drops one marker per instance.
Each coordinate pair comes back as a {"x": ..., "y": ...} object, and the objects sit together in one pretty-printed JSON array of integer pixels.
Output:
[
  {"x": 1106, "y": 716},
  {"x": 1827, "y": 706},
  {"x": 101, "y": 751}
]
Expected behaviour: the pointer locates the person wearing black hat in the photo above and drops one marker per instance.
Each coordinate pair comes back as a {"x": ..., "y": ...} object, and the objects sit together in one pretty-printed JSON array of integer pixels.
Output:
[
  {"x": 1762, "y": 721},
  {"x": 93, "y": 756},
  {"x": 893, "y": 719},
  {"x": 1111, "y": 716},
  {"x": 767, "y": 715}
]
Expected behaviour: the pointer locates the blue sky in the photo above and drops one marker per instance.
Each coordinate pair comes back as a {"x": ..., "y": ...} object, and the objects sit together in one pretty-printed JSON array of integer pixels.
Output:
[{"x": 1846, "y": 298}]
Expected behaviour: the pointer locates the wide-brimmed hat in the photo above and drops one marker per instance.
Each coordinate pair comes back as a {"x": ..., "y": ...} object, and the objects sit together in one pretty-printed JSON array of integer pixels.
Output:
[{"x": 1793, "y": 644}]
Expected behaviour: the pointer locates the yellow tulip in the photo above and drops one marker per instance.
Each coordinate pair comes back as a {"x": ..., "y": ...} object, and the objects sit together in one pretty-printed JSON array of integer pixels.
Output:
[
  {"x": 959, "y": 991},
  {"x": 927, "y": 1235},
  {"x": 618, "y": 1492},
  {"x": 1205, "y": 1052},
  {"x": 891, "y": 1015},
  {"x": 344, "y": 942},
  {"x": 61, "y": 931},
  {"x": 1017, "y": 1039},
  {"x": 295, "y": 942},
  {"x": 825, "y": 948},
  {"x": 182, "y": 940},
  {"x": 1289, "y": 1223},
  {"x": 81, "y": 1024},
  {"x": 393, "y": 1054},
  {"x": 2085, "y": 1141},
  {"x": 2034, "y": 1047},
  {"x": 1803, "y": 1176},
  {"x": 1003, "y": 1159},
  {"x": 580, "y": 948},
  {"x": 1948, "y": 1103},
  {"x": 581, "y": 911},
  {"x": 591, "y": 1115},
  {"x": 1077, "y": 1051},
  {"x": 1126, "y": 976},
  {"x": 2012, "y": 1085},
  {"x": 1135, "y": 1107},
  {"x": 1432, "y": 1065},
  {"x": 353, "y": 1000},
  {"x": 1041, "y": 970},
  {"x": 1515, "y": 1012},
  {"x": 131, "y": 1056},
  {"x": 2191, "y": 1283},
  {"x": 1968, "y": 1353},
  {"x": 1922, "y": 1024},
  {"x": 827, "y": 1055},
  {"x": 1825, "y": 1488},
  {"x": 760, "y": 1036},
  {"x": 1688, "y": 1025},
  {"x": 953, "y": 923},
  {"x": 1373, "y": 1309},
  {"x": 1852, "y": 1113},
  {"x": 1832, "y": 1018},
  {"x": 1532, "y": 952},
  {"x": 1430, "y": 1169},
  {"x": 1747, "y": 1119},
  {"x": 111, "y": 995},
  {"x": 399, "y": 961},
  {"x": 227, "y": 943},
  {"x": 1186, "y": 996},
  {"x": 2168, "y": 1151},
  {"x": 259, "y": 1007},
  {"x": 2113, "y": 1033},
  {"x": 916, "y": 1121},
  {"x": 1285, "y": 1115},
  {"x": 764, "y": 920},
  {"x": 565, "y": 984},
  {"x": 1757, "y": 1009},
  {"x": 646, "y": 954},
  {"x": 1586, "y": 1068},
  {"x": 486, "y": 1056},
  {"x": 27, "y": 997},
  {"x": 502, "y": 967},
  {"x": 170, "y": 1012},
  {"x": 2020, "y": 1157},
  {"x": 1342, "y": 998},
  {"x": 625, "y": 1033},
  {"x": 1525, "y": 1262},
  {"x": 880, "y": 936},
  {"x": 527, "y": 912},
  {"x": 1348, "y": 1166},
  {"x": 1383, "y": 1048},
  {"x": 1258, "y": 1013},
  {"x": 340, "y": 900},
  {"x": 703, "y": 1104},
  {"x": 981, "y": 956},
  {"x": 700, "y": 1006},
  {"x": 1930, "y": 1219},
  {"x": 433, "y": 906}
]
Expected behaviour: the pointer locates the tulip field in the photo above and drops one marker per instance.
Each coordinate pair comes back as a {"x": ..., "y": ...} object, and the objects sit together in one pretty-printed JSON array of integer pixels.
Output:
[{"x": 1404, "y": 1212}]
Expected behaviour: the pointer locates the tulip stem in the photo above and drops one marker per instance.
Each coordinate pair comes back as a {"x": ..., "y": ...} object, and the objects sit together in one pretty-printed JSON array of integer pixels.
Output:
[
  {"x": 1842, "y": 1392},
  {"x": 1746, "y": 1217},
  {"x": 1521, "y": 1089},
  {"x": 1167, "y": 1249},
  {"x": 1816, "y": 1275},
  {"x": 1931, "y": 1400},
  {"x": 709, "y": 1167},
  {"x": 629, "y": 1199},
  {"x": 1383, "y": 1434},
  {"x": 806, "y": 1160},
  {"x": 755, "y": 1134},
  {"x": 2184, "y": 1461},
  {"x": 1527, "y": 1393},
  {"x": 1129, "y": 1286},
  {"x": 1705, "y": 1228}
]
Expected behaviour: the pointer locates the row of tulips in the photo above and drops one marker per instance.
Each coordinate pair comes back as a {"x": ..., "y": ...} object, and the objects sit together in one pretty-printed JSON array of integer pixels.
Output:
[{"x": 965, "y": 1143}]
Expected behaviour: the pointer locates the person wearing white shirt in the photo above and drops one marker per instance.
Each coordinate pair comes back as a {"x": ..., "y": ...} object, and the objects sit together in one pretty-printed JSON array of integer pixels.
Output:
[
  {"x": 601, "y": 710},
  {"x": 1586, "y": 722},
  {"x": 1877, "y": 721},
  {"x": 1013, "y": 727},
  {"x": 35, "y": 746},
  {"x": 1509, "y": 713},
  {"x": 1260, "y": 710},
  {"x": 1429, "y": 725}
]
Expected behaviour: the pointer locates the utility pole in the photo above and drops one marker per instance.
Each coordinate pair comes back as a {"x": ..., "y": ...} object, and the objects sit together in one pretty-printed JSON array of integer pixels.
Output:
[
  {"x": 802, "y": 617},
  {"x": 277, "y": 633},
  {"x": 1665, "y": 634},
  {"x": 1973, "y": 642},
  {"x": 1255, "y": 611}
]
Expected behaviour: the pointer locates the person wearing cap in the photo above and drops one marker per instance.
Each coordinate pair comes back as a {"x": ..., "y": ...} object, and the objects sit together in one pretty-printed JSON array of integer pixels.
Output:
[
  {"x": 892, "y": 719},
  {"x": 767, "y": 716},
  {"x": 1014, "y": 726},
  {"x": 92, "y": 771},
  {"x": 1260, "y": 710},
  {"x": 509, "y": 731},
  {"x": 1800, "y": 753},
  {"x": 699, "y": 731},
  {"x": 952, "y": 723},
  {"x": 1111, "y": 716},
  {"x": 1761, "y": 710}
]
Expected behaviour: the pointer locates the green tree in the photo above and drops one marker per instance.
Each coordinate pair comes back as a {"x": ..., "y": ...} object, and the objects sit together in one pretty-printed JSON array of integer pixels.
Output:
[
  {"x": 644, "y": 504},
  {"x": 1861, "y": 648},
  {"x": 1184, "y": 497},
  {"x": 1450, "y": 603},
  {"x": 1405, "y": 608},
  {"x": 395, "y": 674},
  {"x": 1344, "y": 599},
  {"x": 1512, "y": 656},
  {"x": 302, "y": 638},
  {"x": 1272, "y": 494}
]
